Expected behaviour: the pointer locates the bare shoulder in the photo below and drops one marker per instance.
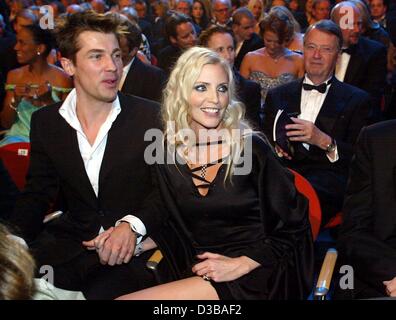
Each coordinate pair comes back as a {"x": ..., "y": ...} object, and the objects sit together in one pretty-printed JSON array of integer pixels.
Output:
[
  {"x": 59, "y": 77},
  {"x": 17, "y": 76},
  {"x": 257, "y": 53}
]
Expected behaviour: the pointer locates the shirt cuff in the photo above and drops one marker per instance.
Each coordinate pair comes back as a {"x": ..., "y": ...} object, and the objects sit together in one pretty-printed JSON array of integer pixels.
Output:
[
  {"x": 336, "y": 157},
  {"x": 136, "y": 224}
]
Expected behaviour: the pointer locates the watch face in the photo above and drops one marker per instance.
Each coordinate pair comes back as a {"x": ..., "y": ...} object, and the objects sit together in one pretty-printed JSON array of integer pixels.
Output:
[{"x": 330, "y": 147}]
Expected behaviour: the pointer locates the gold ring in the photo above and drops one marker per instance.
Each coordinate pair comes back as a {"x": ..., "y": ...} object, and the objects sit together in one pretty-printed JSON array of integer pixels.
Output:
[{"x": 206, "y": 277}]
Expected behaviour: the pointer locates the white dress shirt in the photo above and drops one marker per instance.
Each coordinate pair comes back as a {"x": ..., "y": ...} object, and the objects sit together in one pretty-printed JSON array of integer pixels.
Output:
[
  {"x": 125, "y": 71},
  {"x": 311, "y": 103},
  {"x": 342, "y": 65},
  {"x": 92, "y": 155}
]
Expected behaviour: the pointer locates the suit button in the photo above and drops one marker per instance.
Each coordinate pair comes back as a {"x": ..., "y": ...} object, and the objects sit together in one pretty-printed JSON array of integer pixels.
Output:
[{"x": 101, "y": 213}]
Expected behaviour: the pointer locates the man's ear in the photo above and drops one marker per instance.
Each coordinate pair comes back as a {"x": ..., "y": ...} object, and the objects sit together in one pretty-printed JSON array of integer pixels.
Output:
[
  {"x": 173, "y": 40},
  {"x": 68, "y": 66}
]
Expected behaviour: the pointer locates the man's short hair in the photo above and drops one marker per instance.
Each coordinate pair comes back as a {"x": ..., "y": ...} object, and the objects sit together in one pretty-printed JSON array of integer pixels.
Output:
[
  {"x": 69, "y": 27},
  {"x": 241, "y": 13},
  {"x": 207, "y": 34},
  {"x": 172, "y": 21},
  {"x": 326, "y": 26},
  {"x": 133, "y": 33}
]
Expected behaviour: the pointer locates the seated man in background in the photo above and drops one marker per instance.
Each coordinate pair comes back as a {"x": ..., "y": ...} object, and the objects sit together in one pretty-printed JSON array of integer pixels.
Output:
[
  {"x": 138, "y": 78},
  {"x": 368, "y": 232},
  {"x": 330, "y": 116}
]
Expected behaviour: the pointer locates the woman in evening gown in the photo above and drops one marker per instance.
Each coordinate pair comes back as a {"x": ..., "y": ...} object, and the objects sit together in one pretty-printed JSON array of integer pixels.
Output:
[{"x": 234, "y": 226}]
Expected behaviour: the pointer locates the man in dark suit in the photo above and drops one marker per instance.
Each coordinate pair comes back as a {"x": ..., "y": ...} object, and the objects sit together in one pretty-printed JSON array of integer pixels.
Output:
[
  {"x": 363, "y": 61},
  {"x": 181, "y": 36},
  {"x": 246, "y": 40},
  {"x": 89, "y": 150},
  {"x": 221, "y": 40},
  {"x": 331, "y": 115},
  {"x": 138, "y": 78},
  {"x": 368, "y": 232}
]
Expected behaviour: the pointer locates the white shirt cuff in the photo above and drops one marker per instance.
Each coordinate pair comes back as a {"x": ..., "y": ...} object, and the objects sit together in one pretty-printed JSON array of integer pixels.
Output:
[
  {"x": 136, "y": 224},
  {"x": 335, "y": 156}
]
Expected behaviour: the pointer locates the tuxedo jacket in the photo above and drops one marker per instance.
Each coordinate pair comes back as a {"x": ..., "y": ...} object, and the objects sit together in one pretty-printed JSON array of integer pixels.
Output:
[
  {"x": 144, "y": 81},
  {"x": 367, "y": 69},
  {"x": 367, "y": 239},
  {"x": 167, "y": 58},
  {"x": 344, "y": 112},
  {"x": 254, "y": 43},
  {"x": 57, "y": 169},
  {"x": 249, "y": 93}
]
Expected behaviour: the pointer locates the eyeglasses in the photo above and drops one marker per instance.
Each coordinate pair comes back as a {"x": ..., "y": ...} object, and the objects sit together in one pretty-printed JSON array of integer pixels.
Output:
[
  {"x": 322, "y": 49},
  {"x": 221, "y": 10}
]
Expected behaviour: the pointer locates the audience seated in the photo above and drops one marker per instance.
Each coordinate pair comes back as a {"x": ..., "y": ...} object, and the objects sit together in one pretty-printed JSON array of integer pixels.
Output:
[
  {"x": 90, "y": 151},
  {"x": 363, "y": 61},
  {"x": 181, "y": 35},
  {"x": 274, "y": 64},
  {"x": 236, "y": 239},
  {"x": 330, "y": 116},
  {"x": 32, "y": 86},
  {"x": 246, "y": 39},
  {"x": 138, "y": 78},
  {"x": 222, "y": 41}
]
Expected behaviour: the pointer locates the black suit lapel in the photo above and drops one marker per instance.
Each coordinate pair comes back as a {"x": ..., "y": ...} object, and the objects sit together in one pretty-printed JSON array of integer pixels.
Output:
[
  {"x": 331, "y": 108},
  {"x": 293, "y": 96},
  {"x": 132, "y": 79},
  {"x": 75, "y": 164},
  {"x": 355, "y": 64},
  {"x": 115, "y": 143}
]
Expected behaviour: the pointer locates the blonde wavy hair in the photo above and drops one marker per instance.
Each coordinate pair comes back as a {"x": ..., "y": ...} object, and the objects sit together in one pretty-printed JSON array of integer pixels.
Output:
[{"x": 176, "y": 107}]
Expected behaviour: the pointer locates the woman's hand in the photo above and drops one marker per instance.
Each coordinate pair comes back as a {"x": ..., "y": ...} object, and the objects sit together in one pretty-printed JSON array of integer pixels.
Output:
[{"x": 221, "y": 268}]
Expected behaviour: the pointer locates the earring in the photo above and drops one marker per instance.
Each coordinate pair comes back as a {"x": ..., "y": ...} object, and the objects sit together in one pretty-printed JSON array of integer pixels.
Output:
[{"x": 38, "y": 53}]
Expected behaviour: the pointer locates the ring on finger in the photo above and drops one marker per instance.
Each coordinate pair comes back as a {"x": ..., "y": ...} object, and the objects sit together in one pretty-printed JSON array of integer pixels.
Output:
[{"x": 206, "y": 277}]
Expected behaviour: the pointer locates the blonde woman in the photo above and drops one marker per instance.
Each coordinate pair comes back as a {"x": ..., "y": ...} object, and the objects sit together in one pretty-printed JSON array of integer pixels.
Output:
[
  {"x": 237, "y": 228},
  {"x": 257, "y": 8}
]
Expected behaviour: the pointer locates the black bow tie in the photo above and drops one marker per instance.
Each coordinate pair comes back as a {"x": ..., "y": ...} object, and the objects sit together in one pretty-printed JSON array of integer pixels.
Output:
[
  {"x": 350, "y": 50},
  {"x": 321, "y": 88}
]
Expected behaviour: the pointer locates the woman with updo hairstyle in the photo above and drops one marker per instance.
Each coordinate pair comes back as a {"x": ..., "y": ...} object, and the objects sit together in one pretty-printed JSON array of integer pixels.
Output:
[
  {"x": 235, "y": 227},
  {"x": 296, "y": 42},
  {"x": 32, "y": 86},
  {"x": 274, "y": 64}
]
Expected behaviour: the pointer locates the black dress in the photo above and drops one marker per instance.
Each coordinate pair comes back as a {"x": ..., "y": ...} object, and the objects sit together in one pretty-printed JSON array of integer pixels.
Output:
[{"x": 259, "y": 215}]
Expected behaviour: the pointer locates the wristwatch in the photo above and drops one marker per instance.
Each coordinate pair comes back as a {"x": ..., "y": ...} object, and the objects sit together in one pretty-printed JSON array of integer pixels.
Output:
[{"x": 331, "y": 147}]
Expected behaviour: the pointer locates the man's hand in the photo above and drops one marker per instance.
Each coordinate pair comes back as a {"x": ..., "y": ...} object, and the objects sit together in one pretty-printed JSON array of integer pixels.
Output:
[
  {"x": 116, "y": 247},
  {"x": 390, "y": 287},
  {"x": 98, "y": 242},
  {"x": 221, "y": 268},
  {"x": 306, "y": 132}
]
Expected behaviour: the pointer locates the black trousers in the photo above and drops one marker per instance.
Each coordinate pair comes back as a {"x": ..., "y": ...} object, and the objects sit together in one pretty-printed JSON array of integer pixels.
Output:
[{"x": 102, "y": 282}]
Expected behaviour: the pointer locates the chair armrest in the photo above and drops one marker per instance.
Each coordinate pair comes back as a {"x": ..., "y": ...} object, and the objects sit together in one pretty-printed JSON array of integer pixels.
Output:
[
  {"x": 326, "y": 273},
  {"x": 153, "y": 262}
]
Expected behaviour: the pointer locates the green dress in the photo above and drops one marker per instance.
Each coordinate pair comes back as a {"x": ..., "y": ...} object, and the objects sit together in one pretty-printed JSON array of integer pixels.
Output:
[{"x": 19, "y": 131}]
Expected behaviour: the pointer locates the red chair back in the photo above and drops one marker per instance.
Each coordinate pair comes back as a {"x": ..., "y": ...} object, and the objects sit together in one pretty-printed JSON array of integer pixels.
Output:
[
  {"x": 315, "y": 212},
  {"x": 15, "y": 158}
]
